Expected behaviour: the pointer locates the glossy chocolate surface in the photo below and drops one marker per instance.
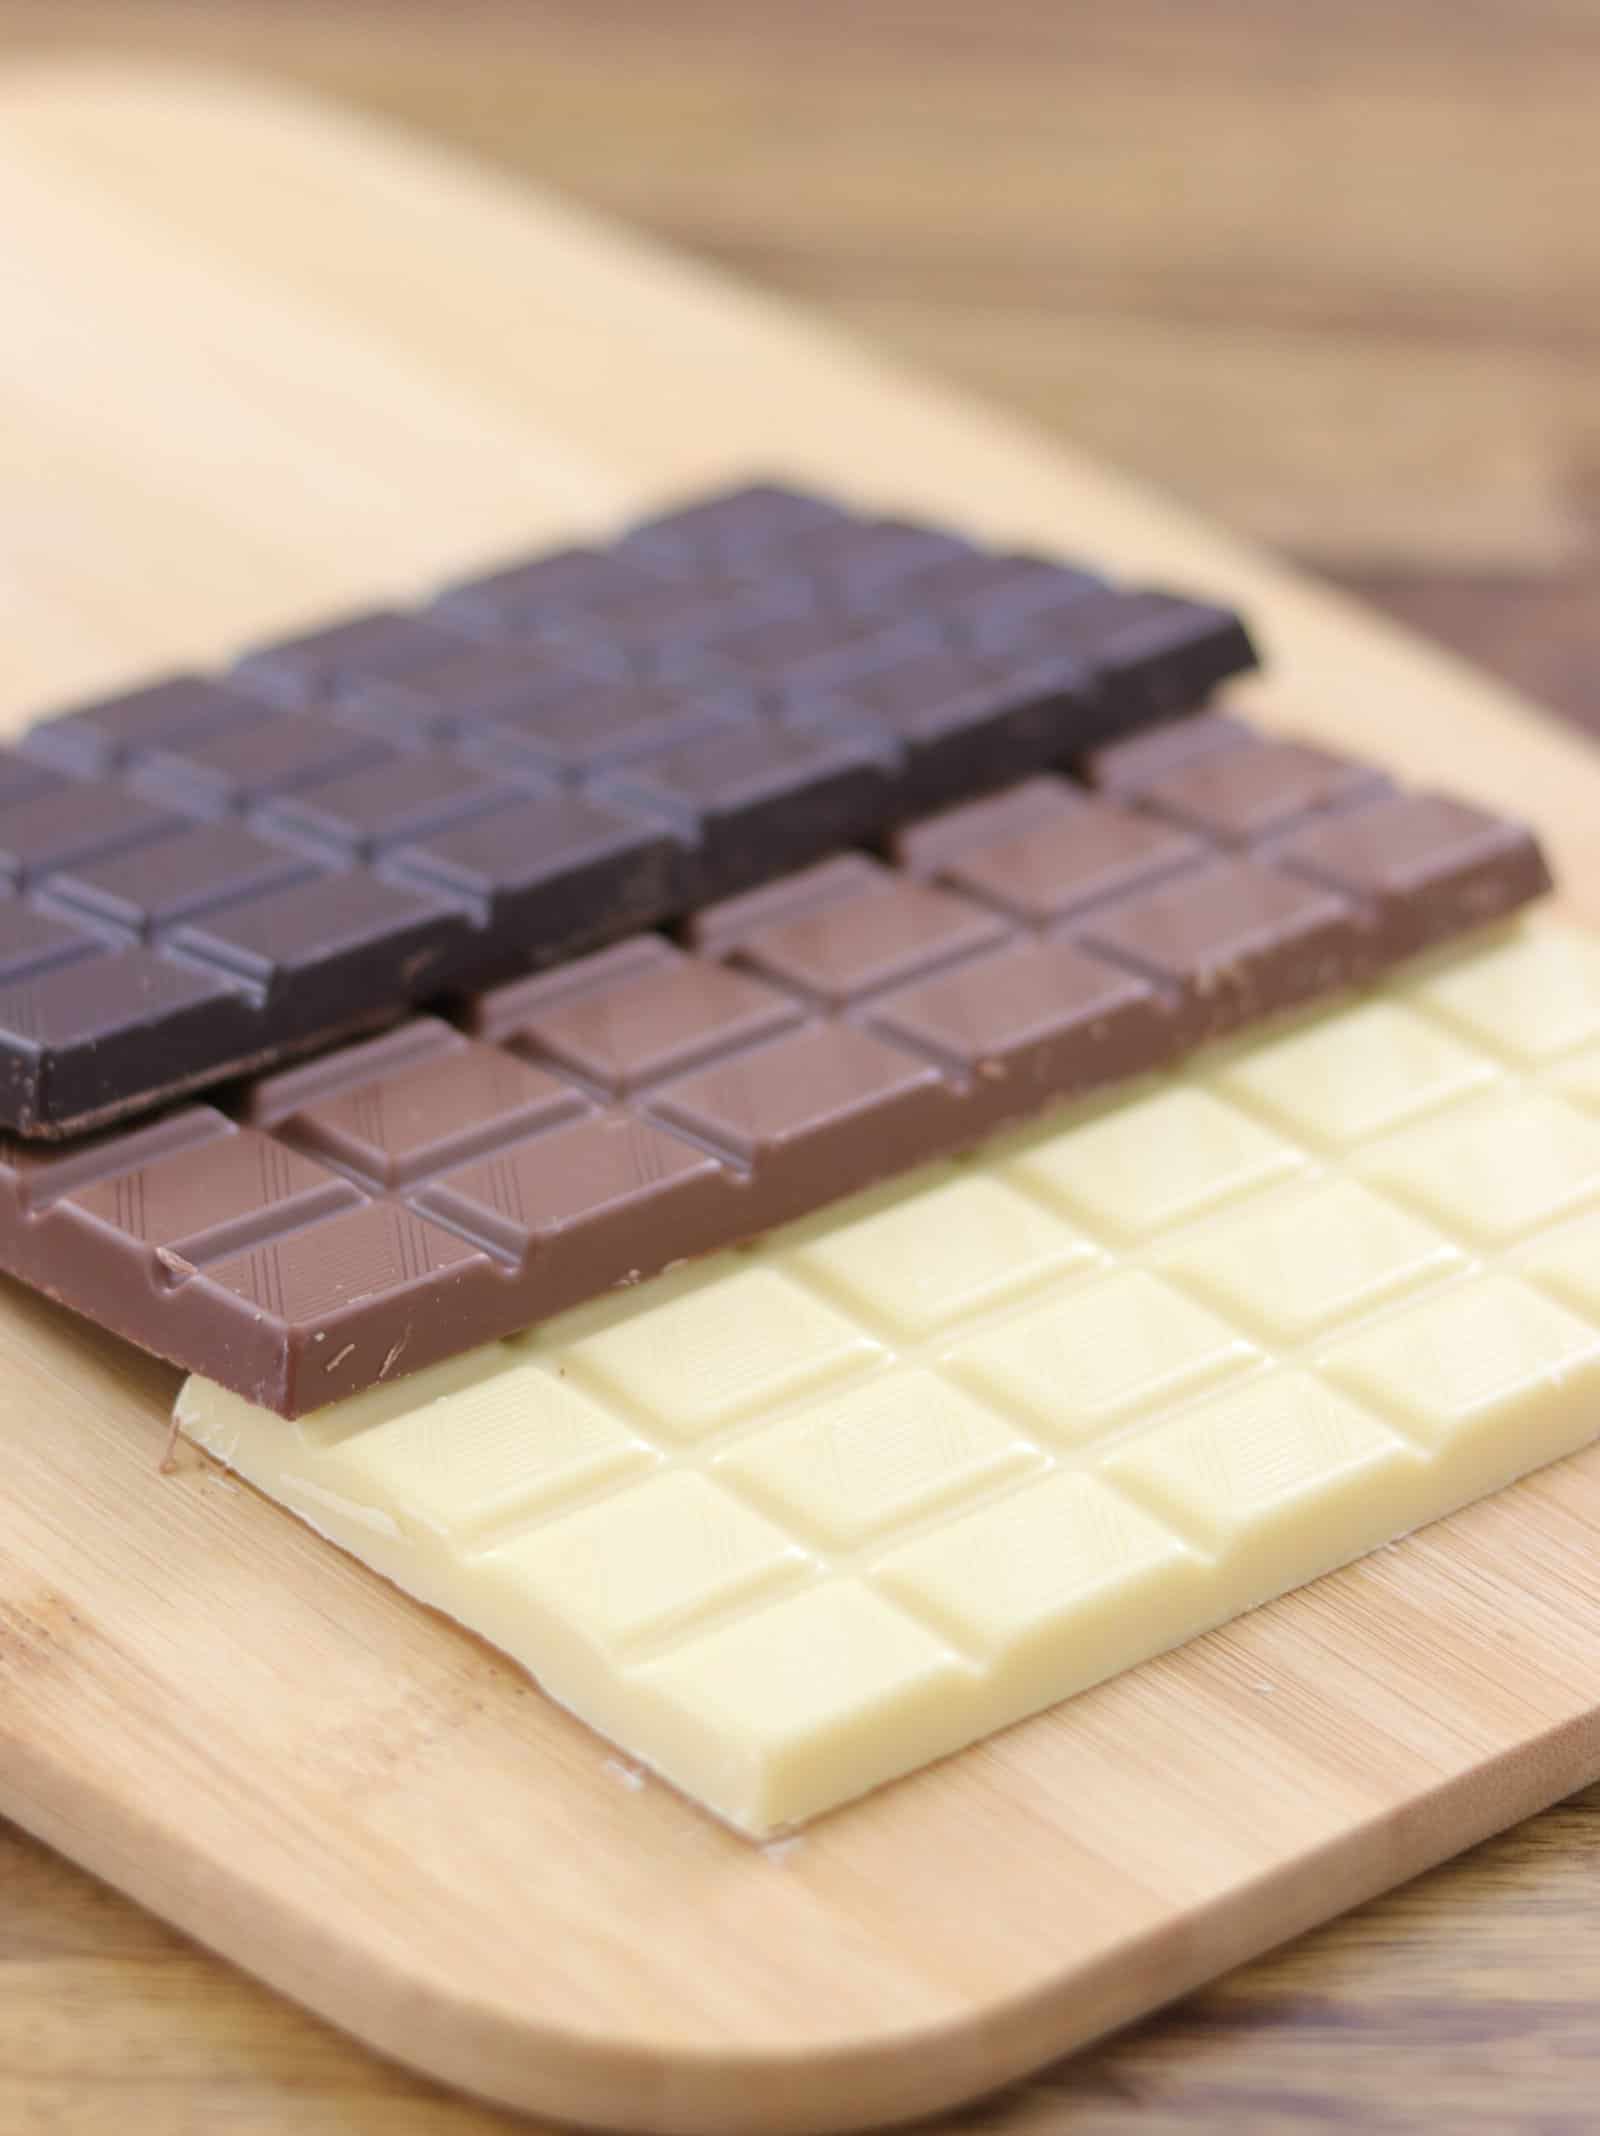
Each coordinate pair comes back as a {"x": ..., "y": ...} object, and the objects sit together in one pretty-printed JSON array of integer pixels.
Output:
[
  {"x": 393, "y": 1202},
  {"x": 216, "y": 873}
]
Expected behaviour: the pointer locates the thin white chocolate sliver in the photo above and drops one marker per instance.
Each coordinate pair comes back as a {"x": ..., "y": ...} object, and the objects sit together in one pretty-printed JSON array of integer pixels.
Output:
[{"x": 794, "y": 1522}]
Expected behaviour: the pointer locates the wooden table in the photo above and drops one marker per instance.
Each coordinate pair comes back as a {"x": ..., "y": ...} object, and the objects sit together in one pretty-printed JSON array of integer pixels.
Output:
[
  {"x": 1404, "y": 398},
  {"x": 1328, "y": 273}
]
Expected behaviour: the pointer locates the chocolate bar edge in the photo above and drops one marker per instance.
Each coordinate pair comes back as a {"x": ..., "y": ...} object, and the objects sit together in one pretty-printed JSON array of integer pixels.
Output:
[{"x": 303, "y": 1371}]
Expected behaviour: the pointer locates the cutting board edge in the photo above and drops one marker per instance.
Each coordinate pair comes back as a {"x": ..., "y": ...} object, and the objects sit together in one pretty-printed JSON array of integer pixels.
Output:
[
  {"x": 642, "y": 2086},
  {"x": 662, "y": 2091}
]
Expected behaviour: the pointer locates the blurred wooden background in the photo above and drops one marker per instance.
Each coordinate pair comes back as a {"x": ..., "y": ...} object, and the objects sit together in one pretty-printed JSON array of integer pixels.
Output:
[{"x": 1333, "y": 274}]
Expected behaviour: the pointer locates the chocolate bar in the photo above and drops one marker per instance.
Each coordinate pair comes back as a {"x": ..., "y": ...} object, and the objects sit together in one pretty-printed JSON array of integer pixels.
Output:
[
  {"x": 214, "y": 872},
  {"x": 797, "y": 1521},
  {"x": 395, "y": 1202}
]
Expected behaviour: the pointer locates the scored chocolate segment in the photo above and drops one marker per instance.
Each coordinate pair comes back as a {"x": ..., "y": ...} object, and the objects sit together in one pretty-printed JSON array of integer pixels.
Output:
[
  {"x": 796, "y": 1110},
  {"x": 1043, "y": 867},
  {"x": 872, "y": 566},
  {"x": 20, "y": 780},
  {"x": 213, "y": 1200},
  {"x": 66, "y": 823},
  {"x": 592, "y": 730},
  {"x": 324, "y": 1280},
  {"x": 756, "y": 516},
  {"x": 638, "y": 1022},
  {"x": 438, "y": 1107},
  {"x": 1128, "y": 766},
  {"x": 1020, "y": 603},
  {"x": 362, "y": 812},
  {"x": 753, "y": 803},
  {"x": 1239, "y": 798},
  {"x": 314, "y": 937},
  {"x": 103, "y": 737},
  {"x": 518, "y": 597},
  {"x": 937, "y": 845},
  {"x": 1426, "y": 865},
  {"x": 154, "y": 886},
  {"x": 991, "y": 597},
  {"x": 321, "y": 665},
  {"x": 838, "y": 953},
  {"x": 582, "y": 1205},
  {"x": 1024, "y": 1024},
  {"x": 820, "y": 650},
  {"x": 224, "y": 774},
  {"x": 952, "y": 721},
  {"x": 478, "y": 688},
  {"x": 101, "y": 1019},
  {"x": 732, "y": 922},
  {"x": 1155, "y": 653},
  {"x": 33, "y": 942},
  {"x": 555, "y": 753},
  {"x": 551, "y": 866},
  {"x": 682, "y": 632},
  {"x": 387, "y": 1204},
  {"x": 1234, "y": 942}
]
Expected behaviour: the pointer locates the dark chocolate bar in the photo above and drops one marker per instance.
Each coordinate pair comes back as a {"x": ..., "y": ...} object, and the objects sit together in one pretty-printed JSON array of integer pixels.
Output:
[
  {"x": 214, "y": 873},
  {"x": 394, "y": 1202}
]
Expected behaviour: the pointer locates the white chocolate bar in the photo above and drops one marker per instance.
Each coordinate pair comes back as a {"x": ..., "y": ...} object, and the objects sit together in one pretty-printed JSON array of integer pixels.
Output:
[{"x": 797, "y": 1520}]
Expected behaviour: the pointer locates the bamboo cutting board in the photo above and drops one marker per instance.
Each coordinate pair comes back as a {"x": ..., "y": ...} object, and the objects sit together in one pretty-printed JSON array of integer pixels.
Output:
[{"x": 255, "y": 361}]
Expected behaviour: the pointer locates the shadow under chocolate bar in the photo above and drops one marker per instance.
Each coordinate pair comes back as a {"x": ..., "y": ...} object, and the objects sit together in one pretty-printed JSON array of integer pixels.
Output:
[
  {"x": 213, "y": 873},
  {"x": 394, "y": 1202}
]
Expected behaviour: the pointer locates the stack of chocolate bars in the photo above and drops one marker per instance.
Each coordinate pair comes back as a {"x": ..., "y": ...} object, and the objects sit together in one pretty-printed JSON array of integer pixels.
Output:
[{"x": 434, "y": 974}]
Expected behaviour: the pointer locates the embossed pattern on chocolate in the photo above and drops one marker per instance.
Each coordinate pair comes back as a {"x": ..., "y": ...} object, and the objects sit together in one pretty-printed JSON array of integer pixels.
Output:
[
  {"x": 392, "y": 1202},
  {"x": 216, "y": 872}
]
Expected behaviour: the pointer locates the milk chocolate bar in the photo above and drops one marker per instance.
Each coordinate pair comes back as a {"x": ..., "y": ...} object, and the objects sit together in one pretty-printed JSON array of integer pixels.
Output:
[
  {"x": 395, "y": 1202},
  {"x": 214, "y": 872},
  {"x": 797, "y": 1521}
]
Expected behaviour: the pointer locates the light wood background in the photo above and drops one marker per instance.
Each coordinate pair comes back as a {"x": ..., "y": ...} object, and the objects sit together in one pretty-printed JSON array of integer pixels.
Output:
[
  {"x": 1340, "y": 286},
  {"x": 1331, "y": 273}
]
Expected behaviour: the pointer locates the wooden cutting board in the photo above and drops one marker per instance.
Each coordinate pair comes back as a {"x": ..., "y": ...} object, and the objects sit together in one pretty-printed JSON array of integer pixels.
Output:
[{"x": 256, "y": 361}]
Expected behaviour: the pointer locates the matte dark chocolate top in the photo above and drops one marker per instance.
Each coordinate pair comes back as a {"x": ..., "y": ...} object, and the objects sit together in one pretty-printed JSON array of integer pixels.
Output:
[
  {"x": 215, "y": 872},
  {"x": 397, "y": 1201}
]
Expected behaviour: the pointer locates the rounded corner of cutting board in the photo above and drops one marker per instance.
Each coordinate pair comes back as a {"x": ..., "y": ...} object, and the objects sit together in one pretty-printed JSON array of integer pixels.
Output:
[
  {"x": 639, "y": 2084},
  {"x": 99, "y": 168},
  {"x": 640, "y": 2080}
]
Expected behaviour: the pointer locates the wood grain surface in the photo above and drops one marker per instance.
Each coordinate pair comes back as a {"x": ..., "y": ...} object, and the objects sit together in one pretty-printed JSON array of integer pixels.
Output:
[
  {"x": 1466, "y": 2001},
  {"x": 1329, "y": 273}
]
